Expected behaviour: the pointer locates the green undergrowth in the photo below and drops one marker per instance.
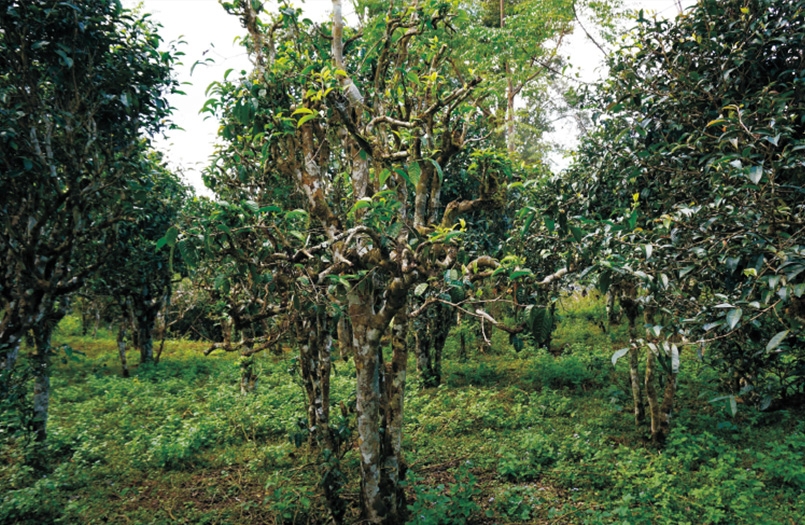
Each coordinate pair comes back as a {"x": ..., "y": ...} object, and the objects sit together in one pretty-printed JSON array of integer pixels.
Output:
[{"x": 528, "y": 437}]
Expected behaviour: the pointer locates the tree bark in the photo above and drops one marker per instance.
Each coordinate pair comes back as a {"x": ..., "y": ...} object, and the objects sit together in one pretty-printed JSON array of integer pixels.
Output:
[
  {"x": 121, "y": 348},
  {"x": 41, "y": 366},
  {"x": 667, "y": 406},
  {"x": 445, "y": 319},
  {"x": 630, "y": 308},
  {"x": 651, "y": 395},
  {"x": 146, "y": 341},
  {"x": 248, "y": 377},
  {"x": 613, "y": 315},
  {"x": 424, "y": 364},
  {"x": 379, "y": 410},
  {"x": 394, "y": 467},
  {"x": 9, "y": 359},
  {"x": 431, "y": 335},
  {"x": 315, "y": 364},
  {"x": 634, "y": 377},
  {"x": 344, "y": 337}
]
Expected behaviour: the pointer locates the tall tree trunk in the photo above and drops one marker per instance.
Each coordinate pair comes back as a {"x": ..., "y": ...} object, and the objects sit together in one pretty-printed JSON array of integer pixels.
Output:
[
  {"x": 315, "y": 364},
  {"x": 462, "y": 339},
  {"x": 445, "y": 319},
  {"x": 379, "y": 410},
  {"x": 394, "y": 467},
  {"x": 659, "y": 409},
  {"x": 41, "y": 365},
  {"x": 344, "y": 332},
  {"x": 509, "y": 112},
  {"x": 121, "y": 348},
  {"x": 651, "y": 395},
  {"x": 146, "y": 341},
  {"x": 431, "y": 336},
  {"x": 424, "y": 364},
  {"x": 9, "y": 359},
  {"x": 666, "y": 407},
  {"x": 162, "y": 325},
  {"x": 613, "y": 315},
  {"x": 248, "y": 376},
  {"x": 631, "y": 310},
  {"x": 145, "y": 316},
  {"x": 97, "y": 323},
  {"x": 634, "y": 378}
]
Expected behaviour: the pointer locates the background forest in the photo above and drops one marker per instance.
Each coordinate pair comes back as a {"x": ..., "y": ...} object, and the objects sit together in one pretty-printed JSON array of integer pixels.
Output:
[{"x": 392, "y": 310}]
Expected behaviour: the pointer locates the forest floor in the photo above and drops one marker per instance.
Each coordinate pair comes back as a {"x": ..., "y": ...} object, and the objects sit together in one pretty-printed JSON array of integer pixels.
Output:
[{"x": 528, "y": 437}]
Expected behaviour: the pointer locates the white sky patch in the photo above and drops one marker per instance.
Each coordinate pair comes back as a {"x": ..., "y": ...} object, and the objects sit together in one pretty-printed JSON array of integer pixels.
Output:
[
  {"x": 209, "y": 32},
  {"x": 588, "y": 61}
]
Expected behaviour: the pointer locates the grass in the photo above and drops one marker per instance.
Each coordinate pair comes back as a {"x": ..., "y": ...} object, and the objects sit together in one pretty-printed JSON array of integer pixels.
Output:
[{"x": 508, "y": 438}]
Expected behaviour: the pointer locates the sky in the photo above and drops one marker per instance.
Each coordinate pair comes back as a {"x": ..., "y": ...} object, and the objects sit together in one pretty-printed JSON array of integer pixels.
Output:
[{"x": 209, "y": 32}]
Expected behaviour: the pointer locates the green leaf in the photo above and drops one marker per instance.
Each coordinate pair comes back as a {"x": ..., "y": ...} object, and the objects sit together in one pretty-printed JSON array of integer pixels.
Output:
[
  {"x": 65, "y": 59},
  {"x": 617, "y": 355},
  {"x": 733, "y": 317},
  {"x": 171, "y": 235},
  {"x": 754, "y": 174},
  {"x": 305, "y": 119},
  {"x": 775, "y": 341},
  {"x": 360, "y": 204},
  {"x": 302, "y": 110},
  {"x": 520, "y": 273},
  {"x": 648, "y": 248},
  {"x": 438, "y": 169},
  {"x": 577, "y": 232},
  {"x": 633, "y": 220},
  {"x": 414, "y": 171},
  {"x": 516, "y": 342},
  {"x": 420, "y": 289},
  {"x": 401, "y": 172},
  {"x": 527, "y": 223},
  {"x": 604, "y": 280},
  {"x": 383, "y": 177},
  {"x": 296, "y": 214}
]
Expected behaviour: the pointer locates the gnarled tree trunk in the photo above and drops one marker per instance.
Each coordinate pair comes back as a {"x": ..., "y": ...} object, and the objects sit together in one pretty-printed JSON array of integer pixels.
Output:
[
  {"x": 431, "y": 335},
  {"x": 380, "y": 391},
  {"x": 315, "y": 362},
  {"x": 41, "y": 367}
]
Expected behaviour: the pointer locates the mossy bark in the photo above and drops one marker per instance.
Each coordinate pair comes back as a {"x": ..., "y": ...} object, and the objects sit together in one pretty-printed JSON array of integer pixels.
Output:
[
  {"x": 121, "y": 349},
  {"x": 380, "y": 393},
  {"x": 315, "y": 362}
]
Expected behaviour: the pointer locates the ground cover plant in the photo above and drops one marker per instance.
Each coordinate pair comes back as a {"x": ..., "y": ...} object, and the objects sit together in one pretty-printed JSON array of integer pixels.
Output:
[{"x": 526, "y": 437}]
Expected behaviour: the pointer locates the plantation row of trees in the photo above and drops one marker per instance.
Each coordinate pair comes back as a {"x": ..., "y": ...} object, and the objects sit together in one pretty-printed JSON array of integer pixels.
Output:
[{"x": 375, "y": 185}]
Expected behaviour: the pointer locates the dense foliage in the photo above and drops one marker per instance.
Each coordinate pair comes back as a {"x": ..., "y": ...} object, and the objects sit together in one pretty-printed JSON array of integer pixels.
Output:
[
  {"x": 689, "y": 192},
  {"x": 79, "y": 86}
]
